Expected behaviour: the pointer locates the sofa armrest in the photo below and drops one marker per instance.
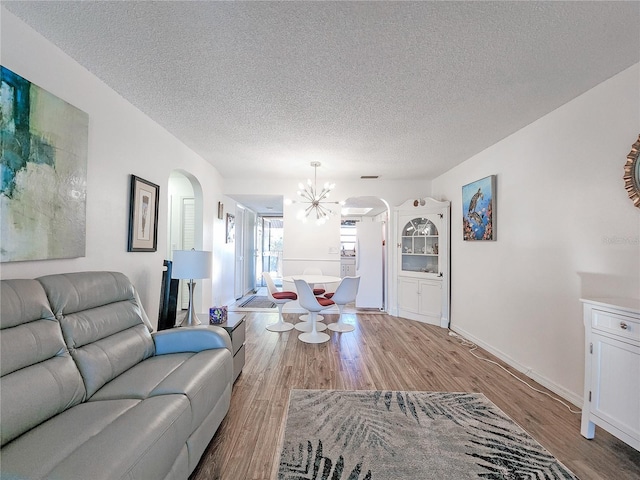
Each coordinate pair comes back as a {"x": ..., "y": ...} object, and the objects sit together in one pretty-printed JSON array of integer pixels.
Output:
[{"x": 191, "y": 339}]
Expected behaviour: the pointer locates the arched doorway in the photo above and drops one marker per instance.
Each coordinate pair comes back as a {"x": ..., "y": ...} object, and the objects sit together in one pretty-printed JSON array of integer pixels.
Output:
[
  {"x": 184, "y": 223},
  {"x": 364, "y": 238}
]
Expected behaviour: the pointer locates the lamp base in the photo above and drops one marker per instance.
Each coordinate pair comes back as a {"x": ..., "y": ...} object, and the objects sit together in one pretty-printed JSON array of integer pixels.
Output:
[{"x": 190, "y": 319}]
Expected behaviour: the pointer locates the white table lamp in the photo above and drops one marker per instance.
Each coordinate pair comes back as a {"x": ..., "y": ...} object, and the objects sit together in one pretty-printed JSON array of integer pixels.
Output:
[{"x": 190, "y": 264}]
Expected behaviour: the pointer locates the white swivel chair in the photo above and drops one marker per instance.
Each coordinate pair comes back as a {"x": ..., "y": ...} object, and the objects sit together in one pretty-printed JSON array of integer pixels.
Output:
[
  {"x": 279, "y": 298},
  {"x": 318, "y": 289},
  {"x": 345, "y": 293},
  {"x": 313, "y": 304}
]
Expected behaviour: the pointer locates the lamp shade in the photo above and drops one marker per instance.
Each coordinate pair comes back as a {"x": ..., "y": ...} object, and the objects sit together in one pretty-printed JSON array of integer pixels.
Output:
[{"x": 191, "y": 264}]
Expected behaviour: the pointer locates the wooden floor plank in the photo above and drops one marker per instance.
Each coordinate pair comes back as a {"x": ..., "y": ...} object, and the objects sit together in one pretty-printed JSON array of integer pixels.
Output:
[{"x": 387, "y": 353}]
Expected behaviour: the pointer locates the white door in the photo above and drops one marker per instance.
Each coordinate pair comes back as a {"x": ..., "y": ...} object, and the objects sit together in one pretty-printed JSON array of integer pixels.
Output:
[
  {"x": 615, "y": 383},
  {"x": 408, "y": 296},
  {"x": 431, "y": 300},
  {"x": 187, "y": 242},
  {"x": 369, "y": 261},
  {"x": 420, "y": 246},
  {"x": 249, "y": 251},
  {"x": 240, "y": 270}
]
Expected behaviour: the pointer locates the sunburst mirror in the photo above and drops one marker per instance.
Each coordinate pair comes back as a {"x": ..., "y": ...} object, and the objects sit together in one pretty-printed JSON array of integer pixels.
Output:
[{"x": 632, "y": 174}]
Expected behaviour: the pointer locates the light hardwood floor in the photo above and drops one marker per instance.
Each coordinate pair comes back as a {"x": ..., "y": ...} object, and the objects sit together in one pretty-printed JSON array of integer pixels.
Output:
[{"x": 386, "y": 353}]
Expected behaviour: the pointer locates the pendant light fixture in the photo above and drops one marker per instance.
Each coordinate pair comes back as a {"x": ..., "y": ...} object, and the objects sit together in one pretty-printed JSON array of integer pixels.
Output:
[{"x": 314, "y": 200}]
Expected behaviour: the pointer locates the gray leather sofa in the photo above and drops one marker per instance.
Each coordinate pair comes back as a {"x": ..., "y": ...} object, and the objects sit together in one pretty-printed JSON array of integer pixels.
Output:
[{"x": 87, "y": 391}]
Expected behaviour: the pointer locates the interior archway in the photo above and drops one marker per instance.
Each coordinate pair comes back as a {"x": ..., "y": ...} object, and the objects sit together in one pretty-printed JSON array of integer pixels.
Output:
[
  {"x": 185, "y": 225},
  {"x": 371, "y": 209}
]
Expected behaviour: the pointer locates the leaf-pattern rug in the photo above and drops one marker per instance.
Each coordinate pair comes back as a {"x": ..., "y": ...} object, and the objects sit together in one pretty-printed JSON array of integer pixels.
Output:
[{"x": 382, "y": 435}]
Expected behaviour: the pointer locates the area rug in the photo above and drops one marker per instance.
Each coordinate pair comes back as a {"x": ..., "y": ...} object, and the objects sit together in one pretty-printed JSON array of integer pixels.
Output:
[
  {"x": 381, "y": 435},
  {"x": 256, "y": 301}
]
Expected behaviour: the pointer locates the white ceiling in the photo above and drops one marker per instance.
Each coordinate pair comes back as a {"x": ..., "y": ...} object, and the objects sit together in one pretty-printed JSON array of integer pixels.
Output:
[{"x": 395, "y": 89}]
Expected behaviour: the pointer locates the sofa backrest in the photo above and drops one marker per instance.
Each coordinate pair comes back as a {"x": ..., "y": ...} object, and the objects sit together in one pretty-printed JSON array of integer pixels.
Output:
[
  {"x": 102, "y": 323},
  {"x": 38, "y": 377}
]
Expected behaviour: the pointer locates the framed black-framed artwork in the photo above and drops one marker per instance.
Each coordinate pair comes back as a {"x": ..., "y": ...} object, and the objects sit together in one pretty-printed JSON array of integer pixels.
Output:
[
  {"x": 231, "y": 228},
  {"x": 478, "y": 209},
  {"x": 220, "y": 210},
  {"x": 143, "y": 215}
]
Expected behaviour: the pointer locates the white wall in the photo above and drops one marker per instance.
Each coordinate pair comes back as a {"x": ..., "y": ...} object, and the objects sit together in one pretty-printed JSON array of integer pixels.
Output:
[
  {"x": 393, "y": 191},
  {"x": 122, "y": 141},
  {"x": 309, "y": 244},
  {"x": 565, "y": 229},
  {"x": 224, "y": 255}
]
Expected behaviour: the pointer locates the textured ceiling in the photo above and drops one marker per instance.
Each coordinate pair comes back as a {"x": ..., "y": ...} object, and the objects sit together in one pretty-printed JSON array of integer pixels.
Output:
[{"x": 396, "y": 89}]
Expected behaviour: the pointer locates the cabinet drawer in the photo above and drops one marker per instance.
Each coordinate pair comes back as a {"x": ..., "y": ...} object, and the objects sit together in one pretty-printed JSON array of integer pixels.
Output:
[
  {"x": 619, "y": 325},
  {"x": 238, "y": 362},
  {"x": 237, "y": 338}
]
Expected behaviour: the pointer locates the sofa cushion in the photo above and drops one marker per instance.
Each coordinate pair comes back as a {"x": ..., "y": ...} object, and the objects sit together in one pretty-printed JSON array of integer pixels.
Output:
[
  {"x": 133, "y": 439},
  {"x": 102, "y": 323},
  {"x": 38, "y": 376},
  {"x": 202, "y": 377},
  {"x": 22, "y": 301}
]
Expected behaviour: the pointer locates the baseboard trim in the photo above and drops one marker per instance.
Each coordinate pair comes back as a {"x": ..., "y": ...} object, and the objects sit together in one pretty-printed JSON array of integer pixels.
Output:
[{"x": 542, "y": 380}]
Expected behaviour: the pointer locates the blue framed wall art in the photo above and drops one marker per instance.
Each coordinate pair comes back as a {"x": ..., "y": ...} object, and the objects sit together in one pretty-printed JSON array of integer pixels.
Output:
[{"x": 478, "y": 209}]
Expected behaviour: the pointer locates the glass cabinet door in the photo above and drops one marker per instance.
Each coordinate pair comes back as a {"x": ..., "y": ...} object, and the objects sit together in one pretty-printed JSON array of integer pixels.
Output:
[{"x": 419, "y": 246}]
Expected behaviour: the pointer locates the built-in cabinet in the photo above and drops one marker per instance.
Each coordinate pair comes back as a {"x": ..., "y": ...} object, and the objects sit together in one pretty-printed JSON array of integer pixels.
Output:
[
  {"x": 612, "y": 368},
  {"x": 422, "y": 260},
  {"x": 348, "y": 267}
]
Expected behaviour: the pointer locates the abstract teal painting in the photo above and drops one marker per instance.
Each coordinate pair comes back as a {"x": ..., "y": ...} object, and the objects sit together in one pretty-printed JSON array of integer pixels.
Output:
[
  {"x": 478, "y": 209},
  {"x": 43, "y": 173}
]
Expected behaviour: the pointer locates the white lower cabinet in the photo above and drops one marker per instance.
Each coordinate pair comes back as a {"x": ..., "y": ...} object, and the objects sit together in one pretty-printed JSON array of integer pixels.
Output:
[
  {"x": 612, "y": 369},
  {"x": 348, "y": 267},
  {"x": 420, "y": 299}
]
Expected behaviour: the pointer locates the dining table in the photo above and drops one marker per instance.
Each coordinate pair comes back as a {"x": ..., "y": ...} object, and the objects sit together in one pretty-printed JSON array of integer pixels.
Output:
[{"x": 312, "y": 279}]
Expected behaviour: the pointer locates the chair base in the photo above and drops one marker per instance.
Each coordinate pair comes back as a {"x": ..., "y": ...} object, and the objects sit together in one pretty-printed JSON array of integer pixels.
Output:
[
  {"x": 341, "y": 327},
  {"x": 307, "y": 327},
  {"x": 280, "y": 327},
  {"x": 311, "y": 337},
  {"x": 306, "y": 316}
]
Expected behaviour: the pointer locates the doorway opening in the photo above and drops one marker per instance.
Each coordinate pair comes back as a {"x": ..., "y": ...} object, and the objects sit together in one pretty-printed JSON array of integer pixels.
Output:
[
  {"x": 269, "y": 233},
  {"x": 184, "y": 225},
  {"x": 364, "y": 239}
]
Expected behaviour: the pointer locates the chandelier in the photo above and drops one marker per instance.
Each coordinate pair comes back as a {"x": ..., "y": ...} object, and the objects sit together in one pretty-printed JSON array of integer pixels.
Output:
[{"x": 314, "y": 200}]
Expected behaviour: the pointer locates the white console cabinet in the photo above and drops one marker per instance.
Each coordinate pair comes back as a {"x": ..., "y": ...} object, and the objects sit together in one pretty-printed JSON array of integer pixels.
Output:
[
  {"x": 612, "y": 368},
  {"x": 422, "y": 260}
]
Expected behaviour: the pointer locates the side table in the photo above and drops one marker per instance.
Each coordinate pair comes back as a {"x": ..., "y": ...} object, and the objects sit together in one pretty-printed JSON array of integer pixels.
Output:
[{"x": 236, "y": 328}]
